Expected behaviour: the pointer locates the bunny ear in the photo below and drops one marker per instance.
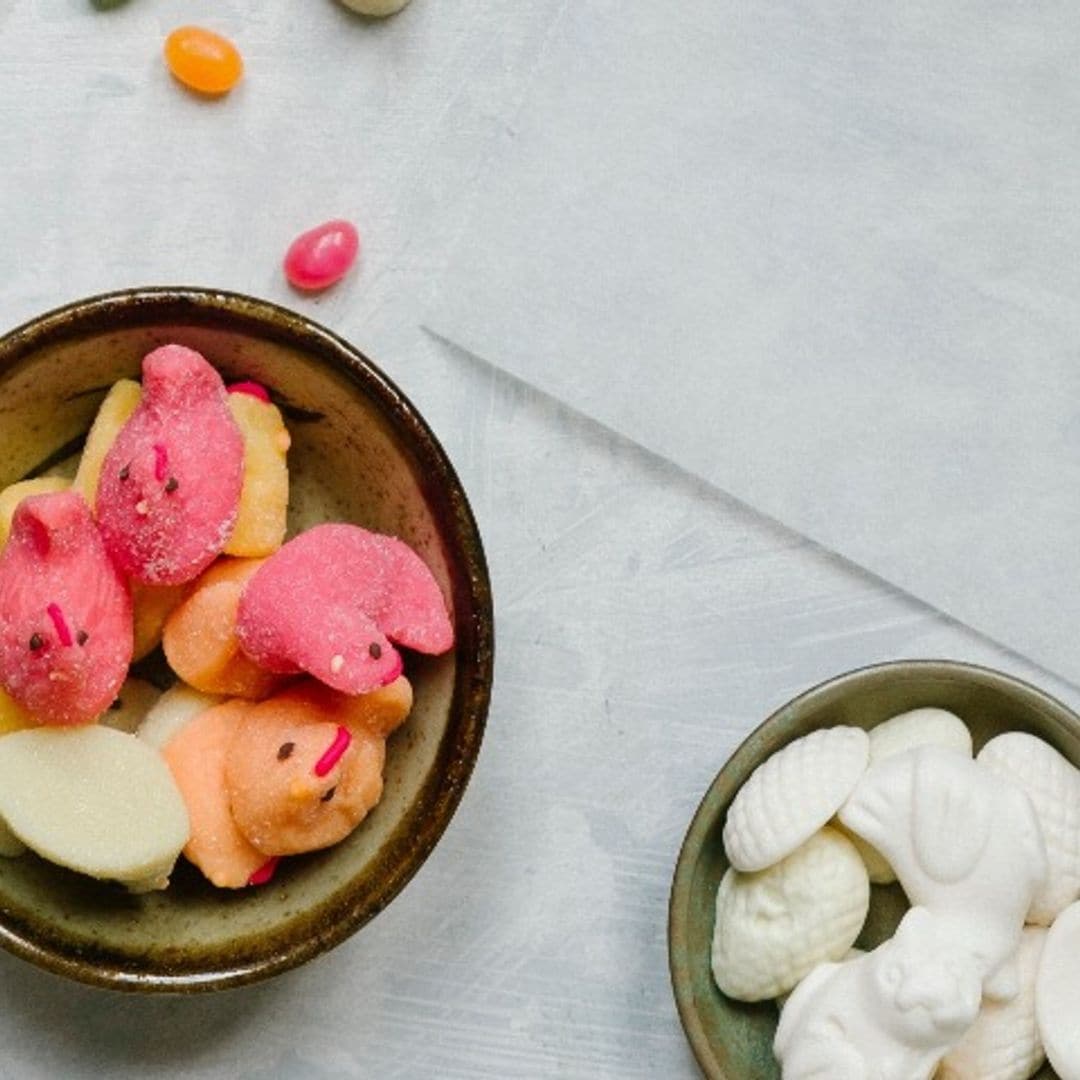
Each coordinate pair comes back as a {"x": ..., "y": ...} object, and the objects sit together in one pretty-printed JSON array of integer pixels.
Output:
[{"x": 951, "y": 816}]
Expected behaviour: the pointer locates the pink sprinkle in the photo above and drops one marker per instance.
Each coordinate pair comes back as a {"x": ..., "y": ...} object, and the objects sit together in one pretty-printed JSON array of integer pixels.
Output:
[
  {"x": 333, "y": 754},
  {"x": 265, "y": 872},
  {"x": 62, "y": 631},
  {"x": 248, "y": 387},
  {"x": 322, "y": 255},
  {"x": 161, "y": 461}
]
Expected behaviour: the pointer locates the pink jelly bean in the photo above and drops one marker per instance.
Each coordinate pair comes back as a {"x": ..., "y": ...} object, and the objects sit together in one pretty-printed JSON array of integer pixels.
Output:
[
  {"x": 321, "y": 256},
  {"x": 65, "y": 613},
  {"x": 331, "y": 601},
  {"x": 170, "y": 485}
]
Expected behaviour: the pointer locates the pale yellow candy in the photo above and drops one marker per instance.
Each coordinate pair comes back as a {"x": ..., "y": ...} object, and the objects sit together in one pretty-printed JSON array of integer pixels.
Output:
[
  {"x": 151, "y": 607},
  {"x": 171, "y": 712},
  {"x": 775, "y": 926},
  {"x": 94, "y": 800},
  {"x": 11, "y": 496},
  {"x": 380, "y": 8},
  {"x": 115, "y": 411},
  {"x": 877, "y": 866},
  {"x": 1004, "y": 1043},
  {"x": 264, "y": 498}
]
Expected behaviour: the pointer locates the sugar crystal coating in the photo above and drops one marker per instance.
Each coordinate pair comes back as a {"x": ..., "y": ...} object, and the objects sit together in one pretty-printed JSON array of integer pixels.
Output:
[
  {"x": 170, "y": 484},
  {"x": 65, "y": 613},
  {"x": 331, "y": 601}
]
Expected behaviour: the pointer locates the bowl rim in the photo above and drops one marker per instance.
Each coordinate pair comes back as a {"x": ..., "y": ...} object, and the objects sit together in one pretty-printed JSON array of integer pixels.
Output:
[
  {"x": 705, "y": 815},
  {"x": 474, "y": 661}
]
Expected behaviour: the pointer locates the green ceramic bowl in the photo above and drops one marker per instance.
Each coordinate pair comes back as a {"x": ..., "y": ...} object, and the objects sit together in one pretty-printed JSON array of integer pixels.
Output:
[
  {"x": 733, "y": 1040},
  {"x": 361, "y": 453}
]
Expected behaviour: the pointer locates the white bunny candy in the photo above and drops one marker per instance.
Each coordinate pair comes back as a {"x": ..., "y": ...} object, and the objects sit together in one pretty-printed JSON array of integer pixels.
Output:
[
  {"x": 964, "y": 843},
  {"x": 888, "y": 1015}
]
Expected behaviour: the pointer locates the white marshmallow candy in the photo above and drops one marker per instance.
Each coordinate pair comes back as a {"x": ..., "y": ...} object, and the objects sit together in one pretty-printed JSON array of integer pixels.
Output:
[
  {"x": 888, "y": 1015},
  {"x": 964, "y": 843},
  {"x": 919, "y": 727},
  {"x": 792, "y": 794},
  {"x": 898, "y": 734},
  {"x": 1003, "y": 1043},
  {"x": 1057, "y": 994},
  {"x": 1053, "y": 784},
  {"x": 776, "y": 925}
]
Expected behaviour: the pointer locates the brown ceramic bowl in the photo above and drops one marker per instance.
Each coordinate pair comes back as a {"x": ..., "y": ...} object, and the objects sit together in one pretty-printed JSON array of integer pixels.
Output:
[
  {"x": 361, "y": 453},
  {"x": 733, "y": 1040}
]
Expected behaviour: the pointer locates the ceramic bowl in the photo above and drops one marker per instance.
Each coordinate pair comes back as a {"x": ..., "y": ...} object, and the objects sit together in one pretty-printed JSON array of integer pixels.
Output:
[
  {"x": 361, "y": 453},
  {"x": 733, "y": 1040}
]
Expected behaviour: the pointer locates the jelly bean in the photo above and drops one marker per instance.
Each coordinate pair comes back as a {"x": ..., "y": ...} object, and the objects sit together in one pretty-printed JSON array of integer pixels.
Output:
[
  {"x": 321, "y": 256},
  {"x": 203, "y": 60}
]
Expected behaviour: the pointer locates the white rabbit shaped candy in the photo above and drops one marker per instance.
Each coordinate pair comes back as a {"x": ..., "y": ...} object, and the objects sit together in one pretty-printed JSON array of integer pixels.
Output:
[
  {"x": 964, "y": 843},
  {"x": 888, "y": 1015}
]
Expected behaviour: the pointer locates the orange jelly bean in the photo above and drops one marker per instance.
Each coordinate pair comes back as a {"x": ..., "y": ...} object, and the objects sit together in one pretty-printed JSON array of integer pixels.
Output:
[{"x": 203, "y": 60}]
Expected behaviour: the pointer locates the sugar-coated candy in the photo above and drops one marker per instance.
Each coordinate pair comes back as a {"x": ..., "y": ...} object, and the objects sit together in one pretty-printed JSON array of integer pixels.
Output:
[
  {"x": 65, "y": 613},
  {"x": 331, "y": 601},
  {"x": 298, "y": 782},
  {"x": 196, "y": 757},
  {"x": 203, "y": 60},
  {"x": 323, "y": 255},
  {"x": 170, "y": 484}
]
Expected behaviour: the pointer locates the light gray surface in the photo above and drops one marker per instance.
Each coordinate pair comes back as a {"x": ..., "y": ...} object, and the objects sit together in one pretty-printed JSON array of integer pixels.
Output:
[
  {"x": 823, "y": 255},
  {"x": 645, "y": 622}
]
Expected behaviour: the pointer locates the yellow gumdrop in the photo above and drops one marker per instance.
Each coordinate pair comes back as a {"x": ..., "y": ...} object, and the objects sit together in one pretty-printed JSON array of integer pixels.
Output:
[
  {"x": 11, "y": 496},
  {"x": 13, "y": 717},
  {"x": 151, "y": 606},
  {"x": 119, "y": 404},
  {"x": 264, "y": 499}
]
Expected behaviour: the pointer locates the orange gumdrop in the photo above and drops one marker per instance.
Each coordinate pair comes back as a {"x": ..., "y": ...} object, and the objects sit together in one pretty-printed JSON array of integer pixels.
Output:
[
  {"x": 196, "y": 758},
  {"x": 379, "y": 712},
  {"x": 200, "y": 639},
  {"x": 203, "y": 60}
]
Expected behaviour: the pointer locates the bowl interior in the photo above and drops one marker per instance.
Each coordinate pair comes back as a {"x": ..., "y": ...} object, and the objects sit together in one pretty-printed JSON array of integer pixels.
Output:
[
  {"x": 360, "y": 454},
  {"x": 733, "y": 1040}
]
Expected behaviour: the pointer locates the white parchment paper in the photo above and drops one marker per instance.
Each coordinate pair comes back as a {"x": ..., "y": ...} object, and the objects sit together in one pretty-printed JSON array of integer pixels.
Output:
[{"x": 827, "y": 256}]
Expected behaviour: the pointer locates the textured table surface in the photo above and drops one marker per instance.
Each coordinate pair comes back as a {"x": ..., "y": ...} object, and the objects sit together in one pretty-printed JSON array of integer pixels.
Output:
[{"x": 645, "y": 621}]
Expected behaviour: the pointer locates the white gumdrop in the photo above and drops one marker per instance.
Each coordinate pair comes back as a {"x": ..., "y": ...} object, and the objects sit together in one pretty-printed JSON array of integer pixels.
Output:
[
  {"x": 134, "y": 701},
  {"x": 1057, "y": 994},
  {"x": 877, "y": 866},
  {"x": 776, "y": 925},
  {"x": 965, "y": 844},
  {"x": 95, "y": 800},
  {"x": 919, "y": 727},
  {"x": 178, "y": 705},
  {"x": 792, "y": 794},
  {"x": 1052, "y": 783},
  {"x": 1003, "y": 1043}
]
